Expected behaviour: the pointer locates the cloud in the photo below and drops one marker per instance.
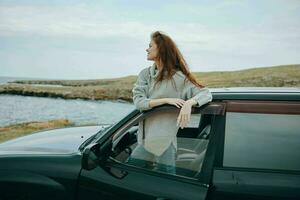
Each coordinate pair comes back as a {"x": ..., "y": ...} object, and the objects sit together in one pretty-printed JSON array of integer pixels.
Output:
[
  {"x": 84, "y": 21},
  {"x": 209, "y": 34},
  {"x": 69, "y": 21}
]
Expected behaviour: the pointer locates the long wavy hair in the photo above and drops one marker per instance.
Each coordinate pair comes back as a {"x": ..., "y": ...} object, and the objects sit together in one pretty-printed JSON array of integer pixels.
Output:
[{"x": 171, "y": 59}]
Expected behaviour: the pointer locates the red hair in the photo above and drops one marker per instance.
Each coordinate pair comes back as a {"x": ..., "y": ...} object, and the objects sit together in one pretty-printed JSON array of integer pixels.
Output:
[{"x": 171, "y": 58}]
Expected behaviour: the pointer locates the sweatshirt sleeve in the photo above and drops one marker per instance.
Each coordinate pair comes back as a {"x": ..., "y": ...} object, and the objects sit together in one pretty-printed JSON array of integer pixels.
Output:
[
  {"x": 200, "y": 95},
  {"x": 140, "y": 91}
]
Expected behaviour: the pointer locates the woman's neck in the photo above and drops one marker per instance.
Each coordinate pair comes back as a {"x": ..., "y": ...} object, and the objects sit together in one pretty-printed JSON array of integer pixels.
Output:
[{"x": 158, "y": 65}]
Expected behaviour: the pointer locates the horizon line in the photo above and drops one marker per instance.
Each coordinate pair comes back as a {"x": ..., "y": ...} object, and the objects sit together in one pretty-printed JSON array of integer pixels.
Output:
[{"x": 32, "y": 78}]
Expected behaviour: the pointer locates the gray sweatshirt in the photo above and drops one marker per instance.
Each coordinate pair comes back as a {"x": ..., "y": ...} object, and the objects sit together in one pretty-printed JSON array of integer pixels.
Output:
[{"x": 161, "y": 129}]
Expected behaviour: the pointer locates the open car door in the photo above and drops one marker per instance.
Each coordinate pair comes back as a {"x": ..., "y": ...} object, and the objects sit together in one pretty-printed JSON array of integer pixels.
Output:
[{"x": 107, "y": 175}]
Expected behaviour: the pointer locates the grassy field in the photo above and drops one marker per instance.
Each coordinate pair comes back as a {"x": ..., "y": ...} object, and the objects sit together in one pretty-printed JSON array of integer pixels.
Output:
[
  {"x": 17, "y": 130},
  {"x": 120, "y": 88}
]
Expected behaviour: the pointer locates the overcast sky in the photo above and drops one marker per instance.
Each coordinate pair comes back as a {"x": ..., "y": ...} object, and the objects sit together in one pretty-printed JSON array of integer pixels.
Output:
[{"x": 70, "y": 39}]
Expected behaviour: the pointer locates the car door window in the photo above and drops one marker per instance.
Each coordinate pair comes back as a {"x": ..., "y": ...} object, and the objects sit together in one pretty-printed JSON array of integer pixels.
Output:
[
  {"x": 192, "y": 142},
  {"x": 262, "y": 140}
]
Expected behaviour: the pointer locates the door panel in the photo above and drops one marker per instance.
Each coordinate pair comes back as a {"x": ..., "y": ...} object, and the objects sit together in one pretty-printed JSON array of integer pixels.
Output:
[
  {"x": 136, "y": 185},
  {"x": 234, "y": 184}
]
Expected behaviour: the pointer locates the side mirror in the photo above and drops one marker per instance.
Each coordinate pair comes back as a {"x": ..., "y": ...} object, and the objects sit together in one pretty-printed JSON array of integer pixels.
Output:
[
  {"x": 89, "y": 158},
  {"x": 95, "y": 155}
]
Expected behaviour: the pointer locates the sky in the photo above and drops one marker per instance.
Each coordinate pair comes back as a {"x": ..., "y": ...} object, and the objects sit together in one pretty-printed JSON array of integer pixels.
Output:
[{"x": 71, "y": 39}]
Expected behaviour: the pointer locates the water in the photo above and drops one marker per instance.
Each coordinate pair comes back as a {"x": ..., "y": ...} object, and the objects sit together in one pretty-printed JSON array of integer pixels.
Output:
[
  {"x": 4, "y": 80},
  {"x": 18, "y": 109}
]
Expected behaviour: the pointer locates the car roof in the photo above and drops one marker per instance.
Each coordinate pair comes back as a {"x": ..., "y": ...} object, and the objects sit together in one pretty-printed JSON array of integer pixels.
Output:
[
  {"x": 256, "y": 93},
  {"x": 256, "y": 89}
]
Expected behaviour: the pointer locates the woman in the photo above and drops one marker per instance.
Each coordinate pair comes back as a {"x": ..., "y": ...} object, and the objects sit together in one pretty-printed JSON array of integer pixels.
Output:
[{"x": 167, "y": 81}]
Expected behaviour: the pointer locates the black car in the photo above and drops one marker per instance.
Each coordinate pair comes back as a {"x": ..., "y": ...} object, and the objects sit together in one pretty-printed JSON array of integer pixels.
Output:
[{"x": 243, "y": 145}]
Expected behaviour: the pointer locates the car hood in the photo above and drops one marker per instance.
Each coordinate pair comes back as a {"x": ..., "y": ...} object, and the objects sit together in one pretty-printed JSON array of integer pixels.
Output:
[{"x": 55, "y": 141}]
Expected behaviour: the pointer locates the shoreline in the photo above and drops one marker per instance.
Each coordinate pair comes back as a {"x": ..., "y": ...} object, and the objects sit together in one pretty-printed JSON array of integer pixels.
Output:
[
  {"x": 68, "y": 92},
  {"x": 120, "y": 89},
  {"x": 21, "y": 129}
]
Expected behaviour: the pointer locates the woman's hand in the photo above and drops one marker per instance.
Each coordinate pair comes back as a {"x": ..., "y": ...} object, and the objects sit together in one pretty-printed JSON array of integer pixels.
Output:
[
  {"x": 185, "y": 114},
  {"x": 176, "y": 102}
]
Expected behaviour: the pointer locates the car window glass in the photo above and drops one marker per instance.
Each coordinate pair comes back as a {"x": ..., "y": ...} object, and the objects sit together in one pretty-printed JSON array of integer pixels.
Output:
[
  {"x": 266, "y": 141},
  {"x": 192, "y": 142},
  {"x": 194, "y": 121}
]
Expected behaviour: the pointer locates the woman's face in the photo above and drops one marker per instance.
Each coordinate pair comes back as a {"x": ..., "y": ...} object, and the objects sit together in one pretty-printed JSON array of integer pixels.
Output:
[{"x": 152, "y": 51}]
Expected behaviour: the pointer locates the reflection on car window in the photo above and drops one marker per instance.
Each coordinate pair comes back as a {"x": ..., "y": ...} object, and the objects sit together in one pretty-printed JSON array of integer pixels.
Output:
[
  {"x": 192, "y": 142},
  {"x": 266, "y": 141}
]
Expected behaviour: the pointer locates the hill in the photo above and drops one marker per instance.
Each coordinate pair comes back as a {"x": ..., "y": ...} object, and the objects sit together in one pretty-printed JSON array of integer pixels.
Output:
[{"x": 120, "y": 88}]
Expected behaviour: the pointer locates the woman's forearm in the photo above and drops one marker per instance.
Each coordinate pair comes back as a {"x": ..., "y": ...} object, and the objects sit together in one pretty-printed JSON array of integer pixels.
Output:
[
  {"x": 192, "y": 102},
  {"x": 157, "y": 102}
]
